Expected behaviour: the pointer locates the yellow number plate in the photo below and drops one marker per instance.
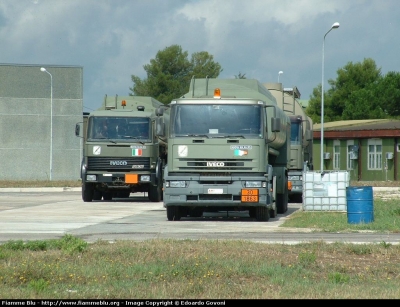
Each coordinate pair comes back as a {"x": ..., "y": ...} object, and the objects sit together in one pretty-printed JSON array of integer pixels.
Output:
[
  {"x": 131, "y": 178},
  {"x": 249, "y": 196},
  {"x": 249, "y": 199}
]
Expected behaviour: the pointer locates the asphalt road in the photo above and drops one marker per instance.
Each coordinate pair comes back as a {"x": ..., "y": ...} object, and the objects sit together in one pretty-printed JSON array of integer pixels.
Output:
[{"x": 50, "y": 213}]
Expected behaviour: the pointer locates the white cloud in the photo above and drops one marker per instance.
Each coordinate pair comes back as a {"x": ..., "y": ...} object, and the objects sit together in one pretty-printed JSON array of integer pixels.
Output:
[{"x": 112, "y": 39}]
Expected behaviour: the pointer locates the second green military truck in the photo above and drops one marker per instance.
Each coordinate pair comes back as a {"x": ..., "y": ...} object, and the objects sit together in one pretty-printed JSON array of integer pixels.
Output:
[
  {"x": 122, "y": 151},
  {"x": 228, "y": 150},
  {"x": 301, "y": 145}
]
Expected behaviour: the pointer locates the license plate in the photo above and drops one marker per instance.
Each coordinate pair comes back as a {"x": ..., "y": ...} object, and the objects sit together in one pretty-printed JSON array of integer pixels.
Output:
[
  {"x": 249, "y": 199},
  {"x": 215, "y": 191},
  {"x": 131, "y": 178},
  {"x": 249, "y": 196}
]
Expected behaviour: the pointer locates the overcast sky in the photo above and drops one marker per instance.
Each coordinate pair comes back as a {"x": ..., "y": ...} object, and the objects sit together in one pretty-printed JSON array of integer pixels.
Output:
[{"x": 113, "y": 39}]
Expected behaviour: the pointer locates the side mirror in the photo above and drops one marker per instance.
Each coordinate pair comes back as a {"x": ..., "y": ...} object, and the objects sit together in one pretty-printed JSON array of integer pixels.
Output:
[
  {"x": 160, "y": 127},
  {"x": 159, "y": 111},
  {"x": 308, "y": 135},
  {"x": 275, "y": 124}
]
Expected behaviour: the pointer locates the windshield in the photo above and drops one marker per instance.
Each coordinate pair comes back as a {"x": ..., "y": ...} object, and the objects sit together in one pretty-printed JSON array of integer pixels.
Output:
[
  {"x": 216, "y": 120},
  {"x": 118, "y": 128}
]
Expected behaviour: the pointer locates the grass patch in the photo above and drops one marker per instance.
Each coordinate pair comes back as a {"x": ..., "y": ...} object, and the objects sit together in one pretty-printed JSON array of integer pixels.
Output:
[
  {"x": 192, "y": 269},
  {"x": 386, "y": 219}
]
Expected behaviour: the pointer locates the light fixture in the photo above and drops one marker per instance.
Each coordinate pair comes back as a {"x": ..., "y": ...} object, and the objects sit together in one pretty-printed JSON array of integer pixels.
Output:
[
  {"x": 334, "y": 26},
  {"x": 51, "y": 122}
]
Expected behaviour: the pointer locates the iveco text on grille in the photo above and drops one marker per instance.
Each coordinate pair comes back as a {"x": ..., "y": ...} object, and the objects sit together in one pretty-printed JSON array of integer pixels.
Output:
[
  {"x": 118, "y": 163},
  {"x": 216, "y": 164}
]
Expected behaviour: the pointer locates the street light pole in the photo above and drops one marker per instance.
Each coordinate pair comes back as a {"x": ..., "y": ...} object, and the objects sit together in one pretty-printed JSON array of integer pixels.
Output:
[
  {"x": 334, "y": 26},
  {"x": 279, "y": 73},
  {"x": 51, "y": 121}
]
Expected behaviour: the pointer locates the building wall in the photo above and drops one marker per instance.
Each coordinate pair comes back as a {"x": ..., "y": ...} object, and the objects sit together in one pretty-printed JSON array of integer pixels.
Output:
[
  {"x": 360, "y": 172},
  {"x": 25, "y": 122}
]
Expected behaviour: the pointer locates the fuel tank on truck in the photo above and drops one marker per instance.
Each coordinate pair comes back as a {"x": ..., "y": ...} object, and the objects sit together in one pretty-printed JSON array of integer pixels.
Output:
[
  {"x": 288, "y": 100},
  {"x": 241, "y": 89}
]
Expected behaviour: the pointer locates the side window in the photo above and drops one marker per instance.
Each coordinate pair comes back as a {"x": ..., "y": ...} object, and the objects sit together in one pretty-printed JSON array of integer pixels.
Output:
[
  {"x": 350, "y": 161},
  {"x": 336, "y": 154},
  {"x": 375, "y": 154}
]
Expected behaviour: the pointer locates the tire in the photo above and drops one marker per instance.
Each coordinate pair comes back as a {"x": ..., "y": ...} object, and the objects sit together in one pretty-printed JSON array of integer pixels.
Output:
[
  {"x": 155, "y": 193},
  {"x": 107, "y": 196},
  {"x": 97, "y": 195},
  {"x": 173, "y": 213},
  {"x": 262, "y": 214},
  {"x": 272, "y": 213},
  {"x": 282, "y": 200},
  {"x": 297, "y": 198},
  {"x": 252, "y": 212},
  {"x": 87, "y": 192}
]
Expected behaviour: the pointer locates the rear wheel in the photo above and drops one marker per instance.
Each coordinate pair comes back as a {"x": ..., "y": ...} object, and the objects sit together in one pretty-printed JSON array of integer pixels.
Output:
[
  {"x": 173, "y": 213},
  {"x": 296, "y": 198},
  {"x": 272, "y": 213},
  {"x": 87, "y": 192}
]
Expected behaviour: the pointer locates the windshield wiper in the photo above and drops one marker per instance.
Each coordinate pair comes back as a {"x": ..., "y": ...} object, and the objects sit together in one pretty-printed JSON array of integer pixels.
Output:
[
  {"x": 134, "y": 138},
  {"x": 104, "y": 138},
  {"x": 229, "y": 136},
  {"x": 198, "y": 135}
]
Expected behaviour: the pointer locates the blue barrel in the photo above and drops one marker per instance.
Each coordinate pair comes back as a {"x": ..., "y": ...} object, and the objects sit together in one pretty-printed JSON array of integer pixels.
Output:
[{"x": 360, "y": 205}]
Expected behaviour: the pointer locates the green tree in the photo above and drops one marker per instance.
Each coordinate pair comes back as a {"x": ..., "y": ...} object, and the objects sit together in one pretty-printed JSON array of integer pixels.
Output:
[
  {"x": 363, "y": 104},
  {"x": 351, "y": 79},
  {"x": 343, "y": 94},
  {"x": 169, "y": 73},
  {"x": 387, "y": 94}
]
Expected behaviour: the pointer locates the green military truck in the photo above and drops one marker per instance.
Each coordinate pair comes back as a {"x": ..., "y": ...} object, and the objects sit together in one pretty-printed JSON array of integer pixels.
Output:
[
  {"x": 122, "y": 151},
  {"x": 301, "y": 137},
  {"x": 228, "y": 150}
]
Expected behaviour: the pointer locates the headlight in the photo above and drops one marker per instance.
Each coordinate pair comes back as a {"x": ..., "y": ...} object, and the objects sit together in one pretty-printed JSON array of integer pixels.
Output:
[
  {"x": 91, "y": 178},
  {"x": 177, "y": 184},
  {"x": 294, "y": 178},
  {"x": 253, "y": 184},
  {"x": 145, "y": 178}
]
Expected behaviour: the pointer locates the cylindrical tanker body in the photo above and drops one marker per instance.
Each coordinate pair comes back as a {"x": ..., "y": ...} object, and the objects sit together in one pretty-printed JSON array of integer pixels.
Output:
[{"x": 301, "y": 157}]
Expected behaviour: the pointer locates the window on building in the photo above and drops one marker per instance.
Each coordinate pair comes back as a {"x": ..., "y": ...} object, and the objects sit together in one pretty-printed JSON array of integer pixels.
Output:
[
  {"x": 350, "y": 161},
  {"x": 374, "y": 154},
  {"x": 336, "y": 155}
]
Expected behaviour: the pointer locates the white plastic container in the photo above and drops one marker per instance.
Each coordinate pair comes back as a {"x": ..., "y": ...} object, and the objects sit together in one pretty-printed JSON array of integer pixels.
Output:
[{"x": 325, "y": 192}]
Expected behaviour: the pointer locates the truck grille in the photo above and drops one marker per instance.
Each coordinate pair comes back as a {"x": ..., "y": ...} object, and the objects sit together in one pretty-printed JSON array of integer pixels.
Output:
[
  {"x": 224, "y": 165},
  {"x": 104, "y": 164}
]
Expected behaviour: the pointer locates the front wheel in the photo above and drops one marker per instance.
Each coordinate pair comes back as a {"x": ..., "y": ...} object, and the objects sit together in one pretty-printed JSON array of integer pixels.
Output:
[
  {"x": 97, "y": 195},
  {"x": 107, "y": 196},
  {"x": 282, "y": 200},
  {"x": 173, "y": 213},
  {"x": 262, "y": 214},
  {"x": 87, "y": 192},
  {"x": 155, "y": 192}
]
